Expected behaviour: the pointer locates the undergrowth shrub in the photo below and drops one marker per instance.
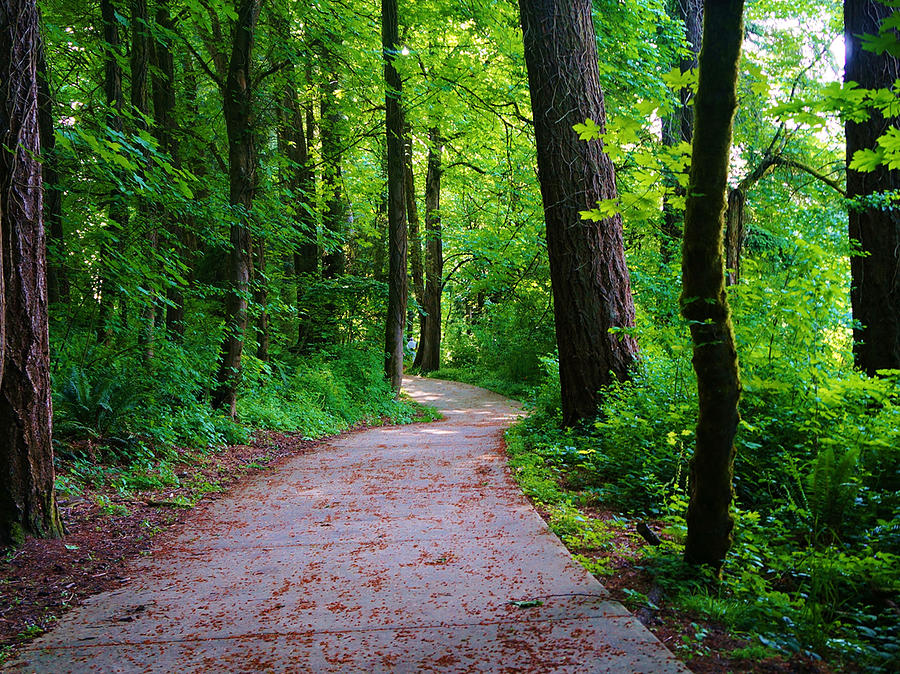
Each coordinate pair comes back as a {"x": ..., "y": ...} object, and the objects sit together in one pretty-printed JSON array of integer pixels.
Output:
[{"x": 817, "y": 539}]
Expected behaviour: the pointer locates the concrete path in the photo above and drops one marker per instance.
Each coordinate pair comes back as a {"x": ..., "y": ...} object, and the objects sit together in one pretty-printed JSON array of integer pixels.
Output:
[{"x": 392, "y": 550}]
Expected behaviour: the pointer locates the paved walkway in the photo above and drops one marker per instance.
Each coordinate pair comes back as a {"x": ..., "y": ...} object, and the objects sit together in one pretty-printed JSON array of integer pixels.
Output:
[{"x": 393, "y": 550}]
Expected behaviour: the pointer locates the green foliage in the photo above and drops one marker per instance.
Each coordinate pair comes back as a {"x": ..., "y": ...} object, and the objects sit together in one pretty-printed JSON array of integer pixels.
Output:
[
  {"x": 323, "y": 395},
  {"x": 97, "y": 409}
]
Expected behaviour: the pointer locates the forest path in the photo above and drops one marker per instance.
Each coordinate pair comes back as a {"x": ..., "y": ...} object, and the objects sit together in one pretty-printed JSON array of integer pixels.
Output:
[{"x": 397, "y": 549}]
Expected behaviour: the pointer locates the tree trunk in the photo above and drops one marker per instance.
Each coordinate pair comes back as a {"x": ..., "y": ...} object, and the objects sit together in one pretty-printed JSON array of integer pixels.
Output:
[
  {"x": 261, "y": 299},
  {"x": 875, "y": 229},
  {"x": 57, "y": 276},
  {"x": 140, "y": 104},
  {"x": 679, "y": 127},
  {"x": 118, "y": 204},
  {"x": 428, "y": 357},
  {"x": 334, "y": 261},
  {"x": 186, "y": 235},
  {"x": 165, "y": 127},
  {"x": 590, "y": 281},
  {"x": 27, "y": 501},
  {"x": 704, "y": 302},
  {"x": 397, "y": 272},
  {"x": 381, "y": 223},
  {"x": 412, "y": 221},
  {"x": 302, "y": 182},
  {"x": 242, "y": 183},
  {"x": 734, "y": 235}
]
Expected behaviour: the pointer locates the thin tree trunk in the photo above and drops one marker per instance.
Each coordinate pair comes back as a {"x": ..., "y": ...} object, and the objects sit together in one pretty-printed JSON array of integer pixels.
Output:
[
  {"x": 874, "y": 229},
  {"x": 734, "y": 216},
  {"x": 381, "y": 223},
  {"x": 335, "y": 260},
  {"x": 412, "y": 221},
  {"x": 428, "y": 357},
  {"x": 118, "y": 205},
  {"x": 185, "y": 236},
  {"x": 165, "y": 128},
  {"x": 57, "y": 276},
  {"x": 242, "y": 183},
  {"x": 140, "y": 104},
  {"x": 734, "y": 235},
  {"x": 397, "y": 273},
  {"x": 704, "y": 301},
  {"x": 27, "y": 501},
  {"x": 261, "y": 299},
  {"x": 590, "y": 281},
  {"x": 679, "y": 127},
  {"x": 306, "y": 258}
]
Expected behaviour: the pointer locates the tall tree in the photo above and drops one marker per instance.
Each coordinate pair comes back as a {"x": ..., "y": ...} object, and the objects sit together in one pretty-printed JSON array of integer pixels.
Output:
[
  {"x": 704, "y": 302},
  {"x": 397, "y": 274},
  {"x": 237, "y": 106},
  {"x": 27, "y": 501},
  {"x": 428, "y": 356},
  {"x": 875, "y": 228},
  {"x": 590, "y": 281}
]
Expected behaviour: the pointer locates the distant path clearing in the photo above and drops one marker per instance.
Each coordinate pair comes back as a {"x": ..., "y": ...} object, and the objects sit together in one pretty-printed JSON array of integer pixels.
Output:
[{"x": 397, "y": 549}]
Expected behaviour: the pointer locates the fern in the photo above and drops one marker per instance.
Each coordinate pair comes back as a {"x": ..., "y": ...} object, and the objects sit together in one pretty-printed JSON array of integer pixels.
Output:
[
  {"x": 97, "y": 410},
  {"x": 831, "y": 490}
]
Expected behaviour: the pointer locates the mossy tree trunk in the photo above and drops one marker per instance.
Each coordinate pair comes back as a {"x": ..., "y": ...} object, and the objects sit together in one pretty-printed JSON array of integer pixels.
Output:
[
  {"x": 27, "y": 502},
  {"x": 704, "y": 302},
  {"x": 590, "y": 281}
]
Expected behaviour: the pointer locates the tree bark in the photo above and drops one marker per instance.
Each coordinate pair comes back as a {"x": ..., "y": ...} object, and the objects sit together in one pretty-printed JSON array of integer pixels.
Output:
[
  {"x": 704, "y": 302},
  {"x": 428, "y": 356},
  {"x": 27, "y": 501},
  {"x": 397, "y": 266},
  {"x": 590, "y": 281},
  {"x": 237, "y": 97},
  {"x": 874, "y": 229}
]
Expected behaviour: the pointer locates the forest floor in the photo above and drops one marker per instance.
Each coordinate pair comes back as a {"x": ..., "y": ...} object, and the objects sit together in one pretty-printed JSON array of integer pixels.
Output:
[{"x": 108, "y": 535}]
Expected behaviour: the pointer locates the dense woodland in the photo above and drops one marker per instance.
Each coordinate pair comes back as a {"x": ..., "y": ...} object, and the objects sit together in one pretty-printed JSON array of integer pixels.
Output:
[{"x": 228, "y": 215}]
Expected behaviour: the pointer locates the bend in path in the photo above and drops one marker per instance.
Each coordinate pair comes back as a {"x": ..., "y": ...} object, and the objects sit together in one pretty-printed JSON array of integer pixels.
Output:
[{"x": 397, "y": 549}]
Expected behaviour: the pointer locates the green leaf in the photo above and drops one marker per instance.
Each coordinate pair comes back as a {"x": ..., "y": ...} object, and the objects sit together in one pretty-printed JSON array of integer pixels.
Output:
[
  {"x": 589, "y": 130},
  {"x": 866, "y": 160}
]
